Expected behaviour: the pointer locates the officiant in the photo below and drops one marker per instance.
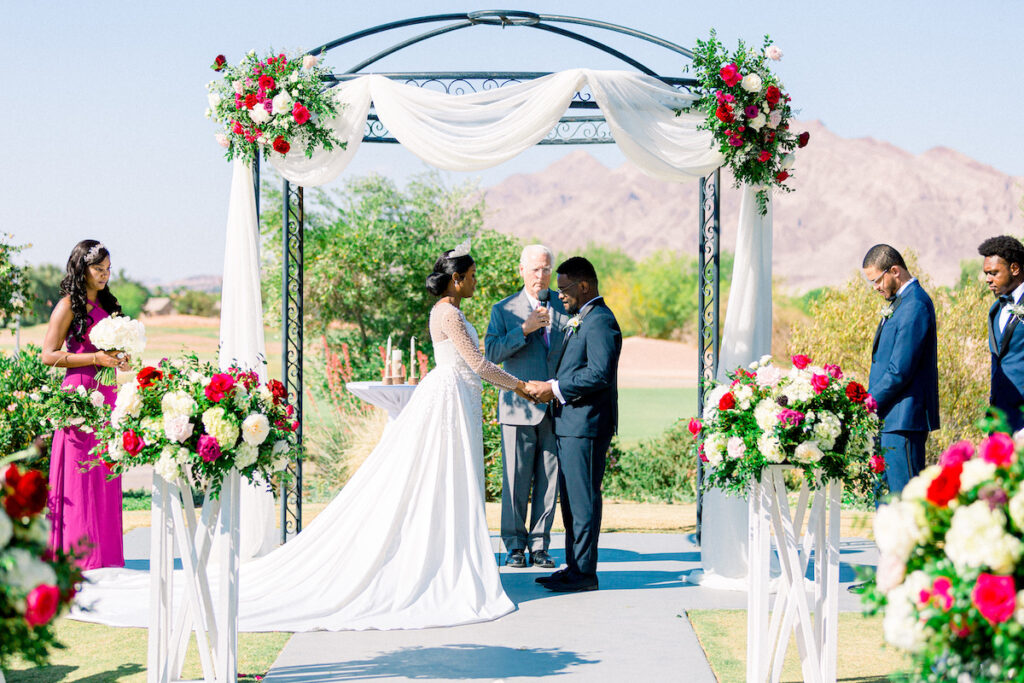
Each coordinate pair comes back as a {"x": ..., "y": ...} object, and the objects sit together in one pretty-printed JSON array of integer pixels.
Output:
[{"x": 524, "y": 335}]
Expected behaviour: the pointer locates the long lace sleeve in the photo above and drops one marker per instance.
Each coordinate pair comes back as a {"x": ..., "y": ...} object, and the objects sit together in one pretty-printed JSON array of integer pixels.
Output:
[{"x": 452, "y": 326}]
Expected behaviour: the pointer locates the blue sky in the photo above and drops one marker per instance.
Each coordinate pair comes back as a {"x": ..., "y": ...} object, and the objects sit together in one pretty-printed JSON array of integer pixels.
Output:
[{"x": 103, "y": 107}]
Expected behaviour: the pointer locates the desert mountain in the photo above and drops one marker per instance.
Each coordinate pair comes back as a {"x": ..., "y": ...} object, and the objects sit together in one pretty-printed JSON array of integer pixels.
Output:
[{"x": 849, "y": 194}]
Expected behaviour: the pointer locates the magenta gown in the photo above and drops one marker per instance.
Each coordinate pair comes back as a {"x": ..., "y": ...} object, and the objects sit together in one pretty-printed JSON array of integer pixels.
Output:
[{"x": 85, "y": 508}]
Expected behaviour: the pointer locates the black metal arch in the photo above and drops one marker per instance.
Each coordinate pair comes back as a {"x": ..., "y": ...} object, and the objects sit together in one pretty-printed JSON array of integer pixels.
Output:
[{"x": 582, "y": 124}]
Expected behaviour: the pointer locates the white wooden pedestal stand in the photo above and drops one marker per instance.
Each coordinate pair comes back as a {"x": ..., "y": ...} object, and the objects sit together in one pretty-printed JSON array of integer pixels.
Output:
[
  {"x": 816, "y": 641},
  {"x": 215, "y": 623}
]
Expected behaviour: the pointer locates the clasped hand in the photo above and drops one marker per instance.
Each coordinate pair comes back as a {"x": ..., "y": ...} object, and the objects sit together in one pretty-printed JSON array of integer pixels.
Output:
[{"x": 536, "y": 391}]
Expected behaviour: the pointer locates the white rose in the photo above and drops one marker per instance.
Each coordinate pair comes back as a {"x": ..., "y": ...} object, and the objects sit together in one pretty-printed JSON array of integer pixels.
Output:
[
  {"x": 97, "y": 399},
  {"x": 309, "y": 61},
  {"x": 757, "y": 123},
  {"x": 255, "y": 429},
  {"x": 128, "y": 401},
  {"x": 977, "y": 538},
  {"x": 214, "y": 99},
  {"x": 264, "y": 394},
  {"x": 808, "y": 451},
  {"x": 901, "y": 625},
  {"x": 751, "y": 83},
  {"x": 975, "y": 472},
  {"x": 221, "y": 139},
  {"x": 6, "y": 529},
  {"x": 259, "y": 115},
  {"x": 899, "y": 526},
  {"x": 766, "y": 414},
  {"x": 768, "y": 376},
  {"x": 771, "y": 448},
  {"x": 891, "y": 571},
  {"x": 736, "y": 448},
  {"x": 245, "y": 455},
  {"x": 773, "y": 53},
  {"x": 26, "y": 571},
  {"x": 177, "y": 404},
  {"x": 282, "y": 102},
  {"x": 178, "y": 428}
]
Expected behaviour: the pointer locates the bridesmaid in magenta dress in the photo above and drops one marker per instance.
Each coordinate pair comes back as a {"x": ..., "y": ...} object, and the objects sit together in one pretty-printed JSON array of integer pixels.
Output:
[{"x": 85, "y": 508}]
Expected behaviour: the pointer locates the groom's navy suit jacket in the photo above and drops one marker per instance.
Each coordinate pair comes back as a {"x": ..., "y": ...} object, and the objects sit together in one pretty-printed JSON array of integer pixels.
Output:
[
  {"x": 1007, "y": 349},
  {"x": 904, "y": 377},
  {"x": 587, "y": 375}
]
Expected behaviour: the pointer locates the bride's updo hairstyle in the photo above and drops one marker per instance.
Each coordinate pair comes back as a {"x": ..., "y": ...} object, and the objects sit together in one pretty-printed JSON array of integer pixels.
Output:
[{"x": 444, "y": 269}]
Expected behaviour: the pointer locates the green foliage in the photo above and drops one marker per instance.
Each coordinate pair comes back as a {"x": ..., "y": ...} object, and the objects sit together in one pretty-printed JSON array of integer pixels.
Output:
[
  {"x": 22, "y": 410},
  {"x": 130, "y": 294},
  {"x": 195, "y": 302},
  {"x": 662, "y": 470},
  {"x": 14, "y": 289},
  {"x": 44, "y": 292},
  {"x": 493, "y": 474}
]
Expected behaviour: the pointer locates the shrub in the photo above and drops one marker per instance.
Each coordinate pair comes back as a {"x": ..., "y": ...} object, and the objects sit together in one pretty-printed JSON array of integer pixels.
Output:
[{"x": 658, "y": 470}]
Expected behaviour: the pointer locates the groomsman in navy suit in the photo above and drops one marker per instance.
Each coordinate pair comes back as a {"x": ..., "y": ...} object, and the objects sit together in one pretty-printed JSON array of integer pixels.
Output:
[
  {"x": 1004, "y": 273},
  {"x": 585, "y": 397},
  {"x": 904, "y": 378}
]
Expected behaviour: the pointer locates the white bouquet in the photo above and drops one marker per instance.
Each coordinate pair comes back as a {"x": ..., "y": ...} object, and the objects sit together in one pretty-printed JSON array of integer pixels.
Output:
[{"x": 117, "y": 333}]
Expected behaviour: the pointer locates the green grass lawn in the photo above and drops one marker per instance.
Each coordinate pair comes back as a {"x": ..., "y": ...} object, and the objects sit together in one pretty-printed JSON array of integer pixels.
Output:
[{"x": 646, "y": 413}]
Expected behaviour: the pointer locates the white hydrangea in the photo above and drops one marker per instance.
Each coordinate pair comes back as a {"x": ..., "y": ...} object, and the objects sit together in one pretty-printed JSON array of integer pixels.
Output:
[
  {"x": 736, "y": 448},
  {"x": 917, "y": 488},
  {"x": 975, "y": 472},
  {"x": 827, "y": 429},
  {"x": 899, "y": 526},
  {"x": 25, "y": 570},
  {"x": 714, "y": 446},
  {"x": 977, "y": 538},
  {"x": 771, "y": 447},
  {"x": 6, "y": 528},
  {"x": 177, "y": 404},
  {"x": 115, "y": 451},
  {"x": 743, "y": 394},
  {"x": 167, "y": 466},
  {"x": 808, "y": 451},
  {"x": 240, "y": 397},
  {"x": 255, "y": 429},
  {"x": 901, "y": 626},
  {"x": 246, "y": 454},
  {"x": 121, "y": 333},
  {"x": 766, "y": 414},
  {"x": 798, "y": 390}
]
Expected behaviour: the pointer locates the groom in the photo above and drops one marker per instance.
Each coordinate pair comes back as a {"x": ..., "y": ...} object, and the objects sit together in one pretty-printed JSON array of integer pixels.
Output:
[{"x": 585, "y": 400}]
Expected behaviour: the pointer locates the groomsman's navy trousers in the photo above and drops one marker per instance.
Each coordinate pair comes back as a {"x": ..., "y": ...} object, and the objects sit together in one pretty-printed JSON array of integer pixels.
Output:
[
  {"x": 581, "y": 462},
  {"x": 904, "y": 457}
]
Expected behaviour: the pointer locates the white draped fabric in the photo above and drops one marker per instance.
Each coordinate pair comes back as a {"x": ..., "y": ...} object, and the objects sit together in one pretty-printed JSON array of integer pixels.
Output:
[
  {"x": 242, "y": 343},
  {"x": 480, "y": 130}
]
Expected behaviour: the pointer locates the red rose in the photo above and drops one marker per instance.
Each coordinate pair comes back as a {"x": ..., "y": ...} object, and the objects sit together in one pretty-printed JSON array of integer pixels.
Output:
[
  {"x": 277, "y": 390},
  {"x": 251, "y": 100},
  {"x": 299, "y": 113},
  {"x": 764, "y": 156},
  {"x": 997, "y": 449},
  {"x": 132, "y": 442},
  {"x": 147, "y": 376},
  {"x": 945, "y": 486},
  {"x": 819, "y": 383},
  {"x": 41, "y": 604},
  {"x": 803, "y": 139},
  {"x": 800, "y": 361},
  {"x": 700, "y": 452},
  {"x": 694, "y": 426},
  {"x": 877, "y": 464},
  {"x": 26, "y": 493},
  {"x": 236, "y": 128},
  {"x": 730, "y": 73},
  {"x": 856, "y": 392},
  {"x": 281, "y": 145},
  {"x": 727, "y": 402},
  {"x": 266, "y": 82},
  {"x": 208, "y": 448},
  {"x": 218, "y": 62},
  {"x": 219, "y": 385},
  {"x": 995, "y": 597},
  {"x": 781, "y": 176},
  {"x": 771, "y": 95},
  {"x": 724, "y": 114},
  {"x": 770, "y": 136}
]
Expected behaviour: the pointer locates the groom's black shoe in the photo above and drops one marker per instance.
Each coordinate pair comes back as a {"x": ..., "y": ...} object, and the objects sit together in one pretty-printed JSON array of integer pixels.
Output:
[
  {"x": 540, "y": 558},
  {"x": 516, "y": 558},
  {"x": 557, "y": 576},
  {"x": 573, "y": 583}
]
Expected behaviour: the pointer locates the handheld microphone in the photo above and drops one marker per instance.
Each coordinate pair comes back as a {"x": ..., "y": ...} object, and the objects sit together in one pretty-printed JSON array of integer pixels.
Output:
[{"x": 543, "y": 295}]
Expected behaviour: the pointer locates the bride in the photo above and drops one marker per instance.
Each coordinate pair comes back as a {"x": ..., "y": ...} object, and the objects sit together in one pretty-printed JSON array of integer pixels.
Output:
[{"x": 405, "y": 543}]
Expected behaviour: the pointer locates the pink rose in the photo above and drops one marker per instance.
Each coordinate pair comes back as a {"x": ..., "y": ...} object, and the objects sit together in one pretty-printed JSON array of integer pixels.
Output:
[
  {"x": 309, "y": 61},
  {"x": 773, "y": 53},
  {"x": 959, "y": 452},
  {"x": 942, "y": 594},
  {"x": 800, "y": 361},
  {"x": 736, "y": 141},
  {"x": 877, "y": 464},
  {"x": 41, "y": 604},
  {"x": 220, "y": 384},
  {"x": 132, "y": 442},
  {"x": 870, "y": 404},
  {"x": 300, "y": 114},
  {"x": 694, "y": 427},
  {"x": 730, "y": 73},
  {"x": 208, "y": 448},
  {"x": 819, "y": 383},
  {"x": 834, "y": 371},
  {"x": 997, "y": 449},
  {"x": 791, "y": 417},
  {"x": 995, "y": 597}
]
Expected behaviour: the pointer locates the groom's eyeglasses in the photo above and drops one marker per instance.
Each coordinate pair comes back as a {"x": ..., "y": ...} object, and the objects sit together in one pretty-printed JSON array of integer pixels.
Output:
[
  {"x": 878, "y": 280},
  {"x": 563, "y": 290}
]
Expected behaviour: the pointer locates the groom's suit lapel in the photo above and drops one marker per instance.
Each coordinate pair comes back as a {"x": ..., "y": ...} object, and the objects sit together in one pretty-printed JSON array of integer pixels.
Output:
[
  {"x": 567, "y": 337},
  {"x": 1004, "y": 344},
  {"x": 881, "y": 323}
]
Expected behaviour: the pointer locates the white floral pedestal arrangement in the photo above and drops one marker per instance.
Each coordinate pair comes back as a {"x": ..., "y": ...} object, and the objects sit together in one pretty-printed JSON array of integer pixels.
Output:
[
  {"x": 816, "y": 639},
  {"x": 213, "y": 617}
]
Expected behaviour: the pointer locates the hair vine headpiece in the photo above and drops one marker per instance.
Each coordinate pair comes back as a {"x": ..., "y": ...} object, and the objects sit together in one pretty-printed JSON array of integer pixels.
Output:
[
  {"x": 460, "y": 250},
  {"x": 93, "y": 252}
]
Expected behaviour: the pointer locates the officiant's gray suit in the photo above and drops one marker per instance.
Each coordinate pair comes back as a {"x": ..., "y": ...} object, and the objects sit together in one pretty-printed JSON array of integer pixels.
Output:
[{"x": 528, "y": 443}]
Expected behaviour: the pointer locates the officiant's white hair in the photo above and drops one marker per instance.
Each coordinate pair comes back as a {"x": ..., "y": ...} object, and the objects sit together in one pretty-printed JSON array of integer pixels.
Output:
[{"x": 532, "y": 249}]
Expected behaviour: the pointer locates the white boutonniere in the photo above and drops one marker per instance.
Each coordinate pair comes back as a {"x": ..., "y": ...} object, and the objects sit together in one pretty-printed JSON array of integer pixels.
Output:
[
  {"x": 1016, "y": 310},
  {"x": 886, "y": 311},
  {"x": 572, "y": 324}
]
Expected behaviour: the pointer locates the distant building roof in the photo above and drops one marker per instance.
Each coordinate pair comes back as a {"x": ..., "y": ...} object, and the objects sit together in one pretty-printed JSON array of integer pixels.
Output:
[{"x": 158, "y": 305}]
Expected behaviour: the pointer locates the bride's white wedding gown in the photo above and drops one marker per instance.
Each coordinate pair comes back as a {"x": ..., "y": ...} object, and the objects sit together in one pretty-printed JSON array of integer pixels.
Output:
[{"x": 403, "y": 545}]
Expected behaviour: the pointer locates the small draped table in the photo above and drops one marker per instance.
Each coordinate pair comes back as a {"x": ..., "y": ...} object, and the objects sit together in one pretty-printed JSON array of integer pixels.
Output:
[{"x": 391, "y": 397}]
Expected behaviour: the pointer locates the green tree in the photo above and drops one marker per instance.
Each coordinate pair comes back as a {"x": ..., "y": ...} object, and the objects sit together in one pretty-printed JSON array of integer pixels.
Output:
[
  {"x": 195, "y": 302},
  {"x": 14, "y": 289},
  {"x": 130, "y": 294},
  {"x": 44, "y": 283}
]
